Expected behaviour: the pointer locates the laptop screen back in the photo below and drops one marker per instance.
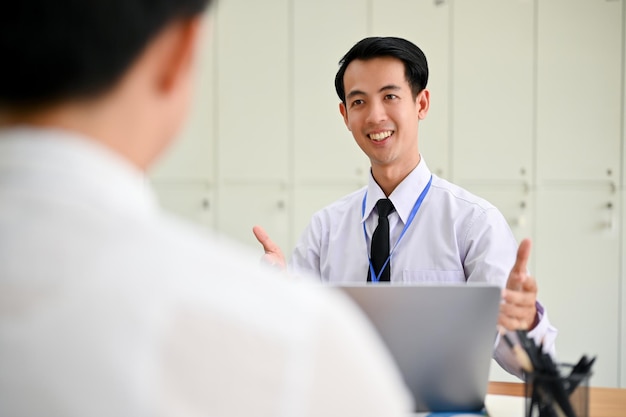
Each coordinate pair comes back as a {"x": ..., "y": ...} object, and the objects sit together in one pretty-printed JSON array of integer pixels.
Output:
[{"x": 441, "y": 337}]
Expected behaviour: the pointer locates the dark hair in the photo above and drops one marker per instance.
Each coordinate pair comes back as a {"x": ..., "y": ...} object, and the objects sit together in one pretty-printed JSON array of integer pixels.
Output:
[
  {"x": 58, "y": 49},
  {"x": 415, "y": 65}
]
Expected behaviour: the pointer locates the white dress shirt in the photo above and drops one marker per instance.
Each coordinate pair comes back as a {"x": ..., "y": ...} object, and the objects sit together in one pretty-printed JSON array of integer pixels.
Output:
[
  {"x": 109, "y": 307},
  {"x": 455, "y": 237}
]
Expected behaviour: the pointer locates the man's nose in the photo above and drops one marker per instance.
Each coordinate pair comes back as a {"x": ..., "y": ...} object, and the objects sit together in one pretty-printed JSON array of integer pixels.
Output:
[{"x": 377, "y": 113}]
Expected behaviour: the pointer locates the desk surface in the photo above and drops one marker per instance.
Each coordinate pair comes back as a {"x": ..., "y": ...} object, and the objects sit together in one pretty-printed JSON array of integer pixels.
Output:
[{"x": 603, "y": 402}]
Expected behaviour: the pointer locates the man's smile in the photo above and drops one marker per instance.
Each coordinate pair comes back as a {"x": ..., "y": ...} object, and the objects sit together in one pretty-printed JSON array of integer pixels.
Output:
[{"x": 379, "y": 136}]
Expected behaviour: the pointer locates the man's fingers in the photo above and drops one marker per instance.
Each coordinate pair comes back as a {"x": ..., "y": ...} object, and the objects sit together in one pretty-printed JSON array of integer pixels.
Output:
[
  {"x": 529, "y": 285},
  {"x": 261, "y": 235},
  {"x": 522, "y": 284},
  {"x": 514, "y": 317},
  {"x": 517, "y": 299},
  {"x": 523, "y": 253},
  {"x": 519, "y": 308},
  {"x": 273, "y": 254},
  {"x": 513, "y": 323},
  {"x": 519, "y": 271}
]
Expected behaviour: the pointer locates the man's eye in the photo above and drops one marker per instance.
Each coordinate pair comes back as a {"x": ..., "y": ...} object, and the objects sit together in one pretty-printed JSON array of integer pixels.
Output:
[
  {"x": 357, "y": 102},
  {"x": 390, "y": 96}
]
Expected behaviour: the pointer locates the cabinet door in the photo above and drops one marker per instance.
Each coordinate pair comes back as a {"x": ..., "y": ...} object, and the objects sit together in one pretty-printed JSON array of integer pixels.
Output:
[
  {"x": 492, "y": 94},
  {"x": 427, "y": 24},
  {"x": 577, "y": 261},
  {"x": 579, "y": 64},
  {"x": 323, "y": 147},
  {"x": 253, "y": 46},
  {"x": 241, "y": 206},
  {"x": 193, "y": 201},
  {"x": 191, "y": 157}
]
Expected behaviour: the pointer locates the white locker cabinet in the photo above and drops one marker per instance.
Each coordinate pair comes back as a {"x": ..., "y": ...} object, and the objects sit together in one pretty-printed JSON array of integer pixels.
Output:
[
  {"x": 492, "y": 89},
  {"x": 193, "y": 201},
  {"x": 253, "y": 116},
  {"x": 579, "y": 74},
  {"x": 323, "y": 31},
  {"x": 577, "y": 260},
  {"x": 241, "y": 206},
  {"x": 426, "y": 24}
]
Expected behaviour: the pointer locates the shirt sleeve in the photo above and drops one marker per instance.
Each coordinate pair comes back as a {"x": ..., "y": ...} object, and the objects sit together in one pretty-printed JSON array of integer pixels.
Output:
[
  {"x": 305, "y": 259},
  {"x": 489, "y": 248}
]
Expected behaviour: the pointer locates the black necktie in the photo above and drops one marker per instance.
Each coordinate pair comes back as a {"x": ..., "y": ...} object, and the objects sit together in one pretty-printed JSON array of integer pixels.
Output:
[{"x": 380, "y": 241}]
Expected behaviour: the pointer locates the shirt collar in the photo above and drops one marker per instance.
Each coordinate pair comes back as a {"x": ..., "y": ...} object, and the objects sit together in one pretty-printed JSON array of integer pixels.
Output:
[
  {"x": 405, "y": 194},
  {"x": 73, "y": 166}
]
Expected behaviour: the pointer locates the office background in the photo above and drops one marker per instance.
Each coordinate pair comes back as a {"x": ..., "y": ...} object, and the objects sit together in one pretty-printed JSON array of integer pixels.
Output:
[{"x": 527, "y": 111}]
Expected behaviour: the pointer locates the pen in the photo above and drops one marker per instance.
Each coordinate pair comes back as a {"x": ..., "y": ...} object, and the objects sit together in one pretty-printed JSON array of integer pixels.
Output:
[
  {"x": 520, "y": 355},
  {"x": 579, "y": 372},
  {"x": 531, "y": 349}
]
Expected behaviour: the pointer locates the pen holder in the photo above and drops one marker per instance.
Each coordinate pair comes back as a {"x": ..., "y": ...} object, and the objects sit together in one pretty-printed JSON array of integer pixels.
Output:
[{"x": 564, "y": 393}]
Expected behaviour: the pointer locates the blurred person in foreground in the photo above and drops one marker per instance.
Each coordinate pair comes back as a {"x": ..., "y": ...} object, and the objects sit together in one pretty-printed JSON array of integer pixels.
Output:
[{"x": 110, "y": 307}]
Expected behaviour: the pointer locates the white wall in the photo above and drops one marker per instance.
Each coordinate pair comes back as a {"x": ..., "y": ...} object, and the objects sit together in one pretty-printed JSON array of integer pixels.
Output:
[{"x": 527, "y": 111}]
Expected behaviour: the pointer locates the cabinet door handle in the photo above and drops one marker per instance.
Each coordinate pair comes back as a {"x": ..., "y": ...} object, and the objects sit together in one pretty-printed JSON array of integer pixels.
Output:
[
  {"x": 609, "y": 215},
  {"x": 519, "y": 221}
]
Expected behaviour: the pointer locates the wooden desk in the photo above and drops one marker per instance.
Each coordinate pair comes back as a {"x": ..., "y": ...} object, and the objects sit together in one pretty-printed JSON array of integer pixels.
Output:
[{"x": 603, "y": 402}]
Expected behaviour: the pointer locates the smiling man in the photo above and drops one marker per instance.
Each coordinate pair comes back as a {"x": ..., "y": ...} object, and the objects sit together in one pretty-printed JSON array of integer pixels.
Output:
[{"x": 437, "y": 231}]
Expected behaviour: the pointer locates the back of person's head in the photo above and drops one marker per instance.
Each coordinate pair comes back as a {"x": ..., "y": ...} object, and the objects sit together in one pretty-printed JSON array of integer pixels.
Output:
[
  {"x": 65, "y": 49},
  {"x": 415, "y": 65}
]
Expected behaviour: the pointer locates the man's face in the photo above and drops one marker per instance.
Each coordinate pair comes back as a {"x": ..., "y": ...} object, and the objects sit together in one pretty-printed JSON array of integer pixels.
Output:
[{"x": 381, "y": 113}]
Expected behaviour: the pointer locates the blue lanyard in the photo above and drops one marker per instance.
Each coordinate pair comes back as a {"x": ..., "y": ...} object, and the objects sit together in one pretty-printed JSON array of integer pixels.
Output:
[{"x": 414, "y": 210}]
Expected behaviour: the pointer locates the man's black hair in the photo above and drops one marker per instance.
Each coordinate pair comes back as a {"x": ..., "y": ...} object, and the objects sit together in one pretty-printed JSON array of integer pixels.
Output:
[
  {"x": 52, "y": 50},
  {"x": 415, "y": 65}
]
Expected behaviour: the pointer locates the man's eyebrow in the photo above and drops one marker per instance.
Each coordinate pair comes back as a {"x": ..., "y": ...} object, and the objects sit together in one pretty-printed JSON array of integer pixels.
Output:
[
  {"x": 355, "y": 93},
  {"x": 389, "y": 87}
]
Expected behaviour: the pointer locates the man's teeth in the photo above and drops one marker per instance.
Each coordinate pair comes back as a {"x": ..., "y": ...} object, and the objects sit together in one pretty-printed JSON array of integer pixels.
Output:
[{"x": 381, "y": 135}]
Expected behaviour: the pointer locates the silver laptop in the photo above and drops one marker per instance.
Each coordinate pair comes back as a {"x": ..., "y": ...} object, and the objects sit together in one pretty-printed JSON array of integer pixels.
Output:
[{"x": 441, "y": 337}]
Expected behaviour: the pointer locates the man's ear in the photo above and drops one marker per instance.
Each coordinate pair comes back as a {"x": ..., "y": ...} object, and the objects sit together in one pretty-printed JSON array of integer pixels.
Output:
[
  {"x": 423, "y": 103},
  {"x": 179, "y": 52},
  {"x": 344, "y": 113}
]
